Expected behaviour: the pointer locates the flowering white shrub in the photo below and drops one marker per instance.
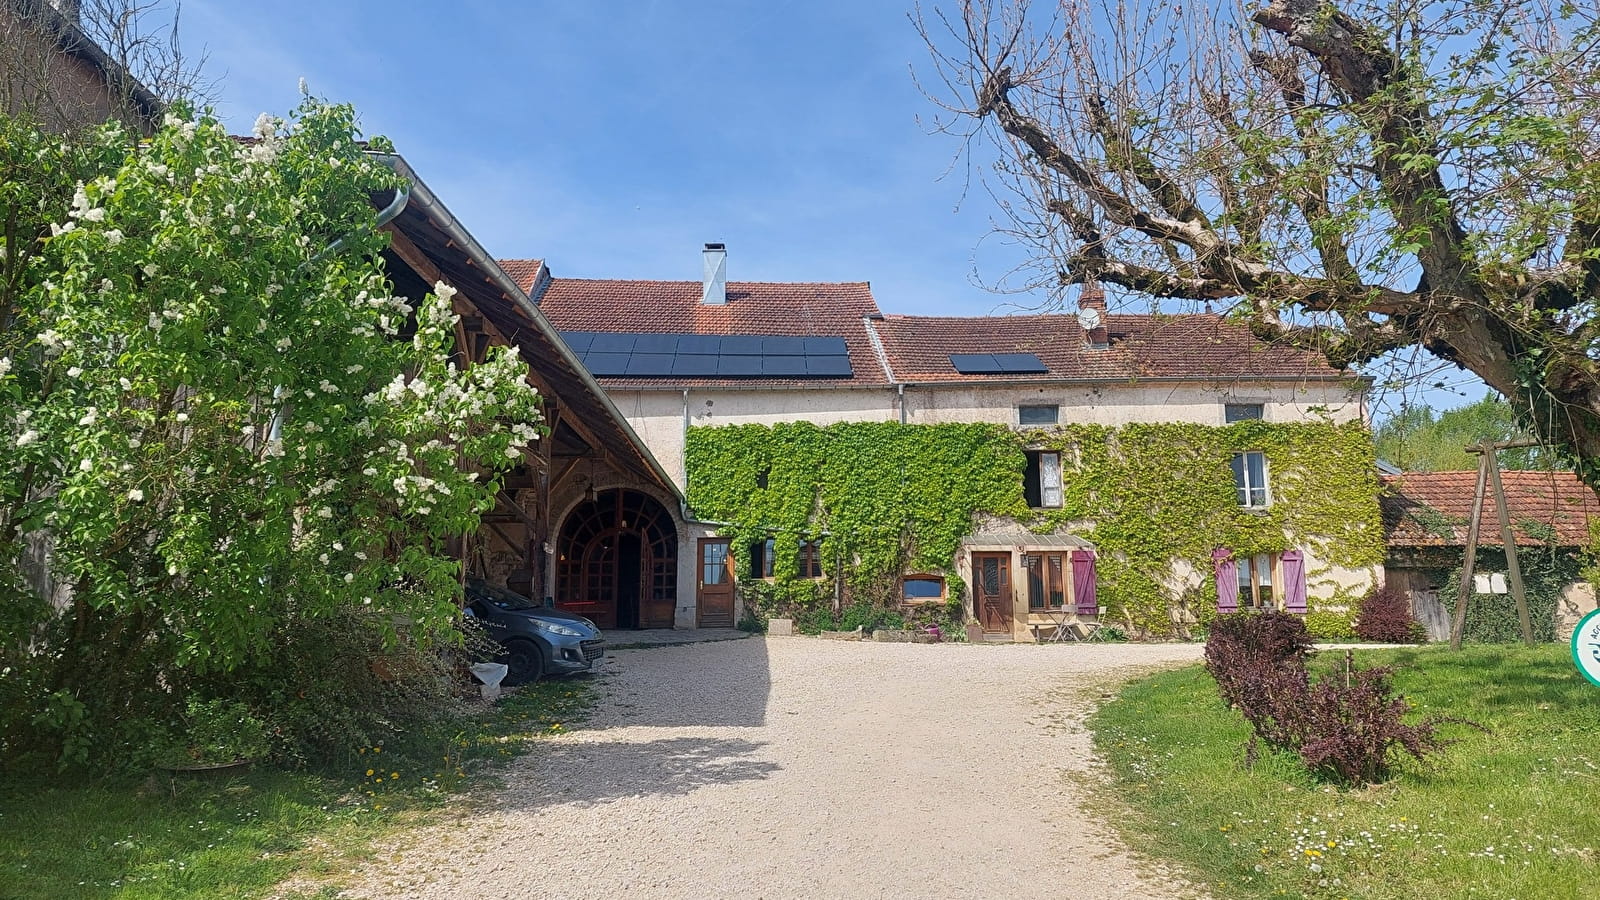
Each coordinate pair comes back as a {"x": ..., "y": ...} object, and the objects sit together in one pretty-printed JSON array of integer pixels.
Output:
[{"x": 214, "y": 407}]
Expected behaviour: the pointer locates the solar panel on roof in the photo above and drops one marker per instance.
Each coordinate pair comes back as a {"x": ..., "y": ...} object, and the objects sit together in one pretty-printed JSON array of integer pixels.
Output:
[
  {"x": 1020, "y": 363},
  {"x": 650, "y": 365},
  {"x": 655, "y": 343},
  {"x": 700, "y": 343},
  {"x": 738, "y": 366},
  {"x": 997, "y": 363},
  {"x": 663, "y": 355},
  {"x": 828, "y": 367},
  {"x": 602, "y": 364},
  {"x": 607, "y": 342},
  {"x": 783, "y": 366},
  {"x": 578, "y": 340},
  {"x": 975, "y": 363},
  {"x": 832, "y": 346},
  {"x": 742, "y": 345},
  {"x": 784, "y": 346},
  {"x": 695, "y": 365}
]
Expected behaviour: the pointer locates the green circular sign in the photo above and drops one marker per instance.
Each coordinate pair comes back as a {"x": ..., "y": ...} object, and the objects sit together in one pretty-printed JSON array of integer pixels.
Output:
[{"x": 1586, "y": 647}]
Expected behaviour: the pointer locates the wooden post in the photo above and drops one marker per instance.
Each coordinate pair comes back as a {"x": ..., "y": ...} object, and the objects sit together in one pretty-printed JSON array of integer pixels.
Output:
[
  {"x": 1471, "y": 555},
  {"x": 1513, "y": 565}
]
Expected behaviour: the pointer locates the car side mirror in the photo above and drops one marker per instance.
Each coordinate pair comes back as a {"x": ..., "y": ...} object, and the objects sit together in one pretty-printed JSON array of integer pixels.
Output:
[{"x": 549, "y": 602}]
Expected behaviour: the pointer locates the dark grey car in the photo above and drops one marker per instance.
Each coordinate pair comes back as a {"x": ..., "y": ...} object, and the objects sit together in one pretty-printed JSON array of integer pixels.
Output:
[{"x": 538, "y": 640}]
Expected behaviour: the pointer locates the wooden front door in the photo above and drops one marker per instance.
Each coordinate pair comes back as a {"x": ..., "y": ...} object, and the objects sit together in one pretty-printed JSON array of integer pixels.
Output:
[
  {"x": 714, "y": 597},
  {"x": 992, "y": 592}
]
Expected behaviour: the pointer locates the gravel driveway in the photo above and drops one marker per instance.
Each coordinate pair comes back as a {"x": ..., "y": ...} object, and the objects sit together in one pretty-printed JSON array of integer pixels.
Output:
[{"x": 796, "y": 767}]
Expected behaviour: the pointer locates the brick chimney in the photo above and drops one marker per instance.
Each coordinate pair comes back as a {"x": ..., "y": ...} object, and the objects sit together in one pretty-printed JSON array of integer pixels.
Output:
[
  {"x": 714, "y": 286},
  {"x": 1092, "y": 309}
]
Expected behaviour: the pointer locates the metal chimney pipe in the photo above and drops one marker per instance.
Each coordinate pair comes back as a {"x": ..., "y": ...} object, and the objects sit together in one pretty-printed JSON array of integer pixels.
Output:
[{"x": 714, "y": 286}]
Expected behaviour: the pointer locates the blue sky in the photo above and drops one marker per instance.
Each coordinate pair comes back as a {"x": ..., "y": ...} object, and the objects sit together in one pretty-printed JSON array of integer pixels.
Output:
[{"x": 614, "y": 138}]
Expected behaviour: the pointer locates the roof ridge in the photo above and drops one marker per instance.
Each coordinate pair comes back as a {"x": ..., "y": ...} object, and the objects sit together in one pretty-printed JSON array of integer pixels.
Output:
[{"x": 690, "y": 281}]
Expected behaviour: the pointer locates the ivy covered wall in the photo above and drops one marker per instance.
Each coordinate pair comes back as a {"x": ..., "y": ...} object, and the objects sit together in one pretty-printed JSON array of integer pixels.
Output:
[{"x": 887, "y": 498}]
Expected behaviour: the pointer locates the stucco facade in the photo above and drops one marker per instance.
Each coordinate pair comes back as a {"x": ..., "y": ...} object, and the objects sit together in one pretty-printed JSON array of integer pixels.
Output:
[
  {"x": 1100, "y": 369},
  {"x": 661, "y": 417}
]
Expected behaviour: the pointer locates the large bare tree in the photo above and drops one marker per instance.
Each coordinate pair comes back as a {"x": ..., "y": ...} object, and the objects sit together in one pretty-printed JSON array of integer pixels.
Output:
[{"x": 1356, "y": 176}]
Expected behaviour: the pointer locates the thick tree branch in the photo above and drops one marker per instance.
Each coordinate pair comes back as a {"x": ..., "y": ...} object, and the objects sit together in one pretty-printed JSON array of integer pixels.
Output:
[{"x": 1364, "y": 69}]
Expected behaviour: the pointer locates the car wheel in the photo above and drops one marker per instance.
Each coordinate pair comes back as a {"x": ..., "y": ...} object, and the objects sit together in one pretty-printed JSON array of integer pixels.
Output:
[{"x": 524, "y": 662}]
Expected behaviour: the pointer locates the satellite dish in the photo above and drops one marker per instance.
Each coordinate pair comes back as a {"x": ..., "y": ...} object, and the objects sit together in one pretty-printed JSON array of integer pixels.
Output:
[{"x": 1089, "y": 319}]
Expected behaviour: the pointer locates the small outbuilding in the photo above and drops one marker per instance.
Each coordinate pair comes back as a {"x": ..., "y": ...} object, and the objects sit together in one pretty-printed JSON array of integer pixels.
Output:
[{"x": 1426, "y": 516}]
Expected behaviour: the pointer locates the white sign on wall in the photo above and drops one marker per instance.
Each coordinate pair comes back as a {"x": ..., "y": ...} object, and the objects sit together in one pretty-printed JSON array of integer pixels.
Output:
[{"x": 1586, "y": 647}]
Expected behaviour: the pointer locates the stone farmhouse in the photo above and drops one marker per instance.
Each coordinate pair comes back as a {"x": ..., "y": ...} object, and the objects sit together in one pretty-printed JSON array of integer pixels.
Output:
[{"x": 677, "y": 357}]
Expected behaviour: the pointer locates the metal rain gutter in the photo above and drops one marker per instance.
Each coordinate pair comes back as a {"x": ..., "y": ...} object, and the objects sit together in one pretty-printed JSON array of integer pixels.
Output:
[{"x": 441, "y": 217}]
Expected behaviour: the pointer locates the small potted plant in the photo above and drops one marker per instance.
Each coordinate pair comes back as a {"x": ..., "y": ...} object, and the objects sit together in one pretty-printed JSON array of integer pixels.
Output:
[{"x": 218, "y": 735}]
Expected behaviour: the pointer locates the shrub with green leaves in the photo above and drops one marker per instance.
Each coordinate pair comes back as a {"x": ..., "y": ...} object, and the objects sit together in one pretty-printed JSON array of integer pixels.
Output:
[{"x": 215, "y": 415}]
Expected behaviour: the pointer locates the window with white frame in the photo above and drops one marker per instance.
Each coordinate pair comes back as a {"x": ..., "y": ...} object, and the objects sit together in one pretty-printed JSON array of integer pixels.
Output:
[
  {"x": 1042, "y": 480},
  {"x": 1250, "y": 478}
]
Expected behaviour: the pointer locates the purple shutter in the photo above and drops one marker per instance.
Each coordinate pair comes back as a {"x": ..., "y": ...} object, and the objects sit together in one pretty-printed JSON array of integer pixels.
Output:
[
  {"x": 1083, "y": 589},
  {"x": 1227, "y": 580},
  {"x": 1294, "y": 581}
]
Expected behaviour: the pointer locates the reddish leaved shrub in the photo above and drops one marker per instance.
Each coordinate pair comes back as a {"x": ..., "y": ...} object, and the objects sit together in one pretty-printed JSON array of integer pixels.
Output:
[
  {"x": 1385, "y": 615},
  {"x": 1350, "y": 729},
  {"x": 1347, "y": 727},
  {"x": 1259, "y": 663}
]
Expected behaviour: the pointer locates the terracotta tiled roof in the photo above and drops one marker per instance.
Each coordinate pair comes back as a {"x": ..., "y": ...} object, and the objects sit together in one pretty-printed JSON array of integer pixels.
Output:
[
  {"x": 1432, "y": 509},
  {"x": 1141, "y": 346},
  {"x": 523, "y": 272},
  {"x": 674, "y": 307}
]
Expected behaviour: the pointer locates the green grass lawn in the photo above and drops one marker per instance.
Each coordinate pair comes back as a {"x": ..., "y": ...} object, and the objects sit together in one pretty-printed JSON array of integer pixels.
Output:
[
  {"x": 240, "y": 837},
  {"x": 1513, "y": 813}
]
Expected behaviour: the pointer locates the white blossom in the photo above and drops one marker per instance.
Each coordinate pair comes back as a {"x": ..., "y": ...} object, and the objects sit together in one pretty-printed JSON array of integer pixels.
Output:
[
  {"x": 89, "y": 417},
  {"x": 282, "y": 343},
  {"x": 86, "y": 465},
  {"x": 114, "y": 236},
  {"x": 136, "y": 495},
  {"x": 5, "y": 365},
  {"x": 348, "y": 577},
  {"x": 27, "y": 437},
  {"x": 182, "y": 417},
  {"x": 74, "y": 372},
  {"x": 324, "y": 513}
]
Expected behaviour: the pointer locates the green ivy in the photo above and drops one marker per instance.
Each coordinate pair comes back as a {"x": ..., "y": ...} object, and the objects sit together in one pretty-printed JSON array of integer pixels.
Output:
[
  {"x": 1492, "y": 618},
  {"x": 891, "y": 498}
]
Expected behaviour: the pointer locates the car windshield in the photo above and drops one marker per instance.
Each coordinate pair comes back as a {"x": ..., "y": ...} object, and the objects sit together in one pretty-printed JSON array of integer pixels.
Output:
[{"x": 499, "y": 596}]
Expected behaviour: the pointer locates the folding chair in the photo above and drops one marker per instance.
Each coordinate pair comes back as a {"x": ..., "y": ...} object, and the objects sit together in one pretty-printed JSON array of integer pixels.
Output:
[
  {"x": 1063, "y": 630},
  {"x": 1091, "y": 630}
]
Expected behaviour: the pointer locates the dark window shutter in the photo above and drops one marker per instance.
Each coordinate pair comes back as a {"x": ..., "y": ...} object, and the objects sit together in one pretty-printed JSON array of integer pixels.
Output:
[
  {"x": 1030, "y": 482},
  {"x": 1227, "y": 580},
  {"x": 1083, "y": 586},
  {"x": 1294, "y": 581}
]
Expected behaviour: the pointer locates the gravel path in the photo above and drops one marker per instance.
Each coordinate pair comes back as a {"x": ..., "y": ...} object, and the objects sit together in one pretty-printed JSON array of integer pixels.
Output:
[{"x": 795, "y": 767}]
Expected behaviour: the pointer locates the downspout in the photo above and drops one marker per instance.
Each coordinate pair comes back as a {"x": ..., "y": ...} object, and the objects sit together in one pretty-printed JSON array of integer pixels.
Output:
[
  {"x": 900, "y": 391},
  {"x": 683, "y": 498},
  {"x": 402, "y": 196}
]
